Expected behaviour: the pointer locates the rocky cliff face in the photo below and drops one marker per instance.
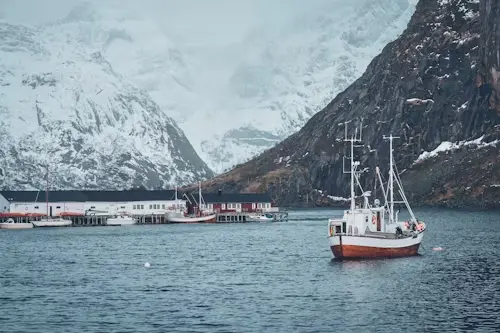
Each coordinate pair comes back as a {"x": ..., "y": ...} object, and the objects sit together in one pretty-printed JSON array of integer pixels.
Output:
[
  {"x": 437, "y": 83},
  {"x": 63, "y": 105}
]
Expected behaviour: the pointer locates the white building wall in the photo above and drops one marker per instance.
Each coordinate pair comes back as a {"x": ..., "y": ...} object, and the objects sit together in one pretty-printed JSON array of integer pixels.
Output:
[
  {"x": 4, "y": 204},
  {"x": 97, "y": 208},
  {"x": 133, "y": 207},
  {"x": 76, "y": 208}
]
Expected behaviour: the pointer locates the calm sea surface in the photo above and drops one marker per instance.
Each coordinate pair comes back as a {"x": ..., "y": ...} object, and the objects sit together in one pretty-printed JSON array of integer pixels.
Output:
[{"x": 269, "y": 277}]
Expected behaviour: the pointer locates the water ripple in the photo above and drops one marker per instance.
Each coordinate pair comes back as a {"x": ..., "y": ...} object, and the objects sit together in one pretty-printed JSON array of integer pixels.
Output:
[{"x": 269, "y": 277}]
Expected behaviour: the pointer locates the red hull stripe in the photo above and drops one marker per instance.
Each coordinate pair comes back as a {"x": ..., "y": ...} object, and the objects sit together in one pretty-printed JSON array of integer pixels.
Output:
[{"x": 354, "y": 251}]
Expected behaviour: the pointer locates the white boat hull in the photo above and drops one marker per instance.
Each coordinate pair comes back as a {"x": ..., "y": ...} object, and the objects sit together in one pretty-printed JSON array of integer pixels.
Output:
[
  {"x": 120, "y": 222},
  {"x": 16, "y": 226},
  {"x": 191, "y": 219},
  {"x": 251, "y": 218},
  {"x": 52, "y": 223},
  {"x": 357, "y": 247}
]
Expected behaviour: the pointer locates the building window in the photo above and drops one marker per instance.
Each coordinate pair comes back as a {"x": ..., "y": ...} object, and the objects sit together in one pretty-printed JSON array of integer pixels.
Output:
[
  {"x": 163, "y": 206},
  {"x": 122, "y": 207},
  {"x": 58, "y": 207},
  {"x": 36, "y": 207},
  {"x": 142, "y": 206},
  {"x": 223, "y": 206},
  {"x": 134, "y": 207},
  {"x": 92, "y": 207}
]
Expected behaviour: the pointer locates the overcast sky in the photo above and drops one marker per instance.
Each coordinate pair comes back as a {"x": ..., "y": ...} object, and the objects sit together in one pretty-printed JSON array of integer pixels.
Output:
[{"x": 189, "y": 19}]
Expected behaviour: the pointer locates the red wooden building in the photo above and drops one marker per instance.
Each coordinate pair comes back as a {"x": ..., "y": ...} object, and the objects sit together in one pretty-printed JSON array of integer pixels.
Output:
[{"x": 235, "y": 202}]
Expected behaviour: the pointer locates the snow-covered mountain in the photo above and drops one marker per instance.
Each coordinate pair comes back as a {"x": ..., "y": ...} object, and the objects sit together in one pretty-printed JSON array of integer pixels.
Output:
[
  {"x": 236, "y": 77},
  {"x": 290, "y": 73},
  {"x": 63, "y": 105}
]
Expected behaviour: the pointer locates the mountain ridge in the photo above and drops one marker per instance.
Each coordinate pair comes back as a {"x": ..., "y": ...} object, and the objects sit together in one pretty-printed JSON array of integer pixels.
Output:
[{"x": 65, "y": 107}]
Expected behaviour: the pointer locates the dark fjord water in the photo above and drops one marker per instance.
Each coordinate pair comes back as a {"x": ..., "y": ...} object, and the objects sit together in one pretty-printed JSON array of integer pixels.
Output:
[{"x": 275, "y": 277}]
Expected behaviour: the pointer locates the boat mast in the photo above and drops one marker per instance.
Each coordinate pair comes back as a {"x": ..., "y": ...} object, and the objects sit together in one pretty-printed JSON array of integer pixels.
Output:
[
  {"x": 391, "y": 177},
  {"x": 353, "y": 201},
  {"x": 354, "y": 164},
  {"x": 47, "y": 190},
  {"x": 176, "y": 204},
  {"x": 200, "y": 200}
]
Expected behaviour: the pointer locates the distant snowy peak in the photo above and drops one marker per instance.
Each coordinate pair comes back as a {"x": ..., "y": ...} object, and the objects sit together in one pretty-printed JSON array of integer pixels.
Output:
[
  {"x": 67, "y": 108},
  {"x": 137, "y": 49},
  {"x": 298, "y": 69}
]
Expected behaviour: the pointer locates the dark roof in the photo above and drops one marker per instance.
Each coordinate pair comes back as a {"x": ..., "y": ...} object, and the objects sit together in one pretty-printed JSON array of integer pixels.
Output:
[
  {"x": 39, "y": 196},
  {"x": 233, "y": 197},
  {"x": 133, "y": 195},
  {"x": 82, "y": 196}
]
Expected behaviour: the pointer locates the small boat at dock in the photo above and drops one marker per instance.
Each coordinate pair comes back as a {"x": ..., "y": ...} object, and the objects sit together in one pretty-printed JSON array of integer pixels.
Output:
[
  {"x": 121, "y": 220},
  {"x": 179, "y": 217},
  {"x": 374, "y": 231},
  {"x": 260, "y": 218},
  {"x": 13, "y": 225},
  {"x": 49, "y": 221},
  {"x": 198, "y": 215}
]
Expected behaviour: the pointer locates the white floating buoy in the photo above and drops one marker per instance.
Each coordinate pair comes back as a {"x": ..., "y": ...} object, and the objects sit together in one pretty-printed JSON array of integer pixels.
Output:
[
  {"x": 147, "y": 265},
  {"x": 438, "y": 248}
]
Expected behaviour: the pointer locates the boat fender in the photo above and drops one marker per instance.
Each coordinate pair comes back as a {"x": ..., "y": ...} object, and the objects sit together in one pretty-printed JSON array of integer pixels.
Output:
[
  {"x": 374, "y": 219},
  {"x": 331, "y": 230}
]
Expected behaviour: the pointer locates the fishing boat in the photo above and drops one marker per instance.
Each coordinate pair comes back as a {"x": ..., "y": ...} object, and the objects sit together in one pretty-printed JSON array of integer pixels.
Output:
[
  {"x": 48, "y": 220},
  {"x": 121, "y": 220},
  {"x": 198, "y": 215},
  {"x": 176, "y": 217},
  {"x": 11, "y": 224},
  {"x": 374, "y": 231},
  {"x": 260, "y": 218}
]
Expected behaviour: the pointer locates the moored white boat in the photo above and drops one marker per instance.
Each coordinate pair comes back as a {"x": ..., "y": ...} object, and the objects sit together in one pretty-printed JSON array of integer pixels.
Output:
[
  {"x": 260, "y": 218},
  {"x": 179, "y": 217},
  {"x": 199, "y": 216},
  {"x": 13, "y": 225},
  {"x": 121, "y": 220},
  {"x": 49, "y": 221},
  {"x": 374, "y": 231}
]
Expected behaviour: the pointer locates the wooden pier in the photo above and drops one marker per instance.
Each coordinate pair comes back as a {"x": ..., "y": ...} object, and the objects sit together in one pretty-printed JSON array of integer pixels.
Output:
[
  {"x": 241, "y": 217},
  {"x": 93, "y": 220},
  {"x": 100, "y": 220}
]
